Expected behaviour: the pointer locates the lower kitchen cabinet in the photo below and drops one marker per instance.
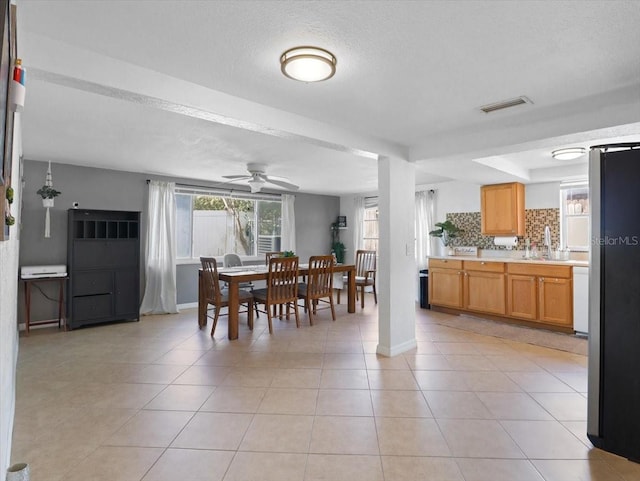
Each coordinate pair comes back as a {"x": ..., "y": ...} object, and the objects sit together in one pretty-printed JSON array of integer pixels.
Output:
[
  {"x": 542, "y": 293},
  {"x": 522, "y": 296},
  {"x": 532, "y": 292},
  {"x": 555, "y": 301},
  {"x": 445, "y": 283},
  {"x": 484, "y": 287}
]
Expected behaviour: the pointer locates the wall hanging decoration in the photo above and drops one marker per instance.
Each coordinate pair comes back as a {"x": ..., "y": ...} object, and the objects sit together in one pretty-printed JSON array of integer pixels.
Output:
[
  {"x": 17, "y": 88},
  {"x": 8, "y": 52},
  {"x": 48, "y": 194}
]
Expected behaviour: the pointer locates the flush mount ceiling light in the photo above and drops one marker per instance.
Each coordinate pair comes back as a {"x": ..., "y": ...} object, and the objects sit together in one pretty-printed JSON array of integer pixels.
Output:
[
  {"x": 308, "y": 64},
  {"x": 569, "y": 153}
]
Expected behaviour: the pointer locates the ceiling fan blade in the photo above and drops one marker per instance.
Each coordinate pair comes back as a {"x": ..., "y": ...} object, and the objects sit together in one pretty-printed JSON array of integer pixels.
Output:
[
  {"x": 237, "y": 176},
  {"x": 282, "y": 183}
]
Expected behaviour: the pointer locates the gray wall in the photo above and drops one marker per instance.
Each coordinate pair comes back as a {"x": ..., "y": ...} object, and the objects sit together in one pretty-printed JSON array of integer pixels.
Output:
[{"x": 116, "y": 190}]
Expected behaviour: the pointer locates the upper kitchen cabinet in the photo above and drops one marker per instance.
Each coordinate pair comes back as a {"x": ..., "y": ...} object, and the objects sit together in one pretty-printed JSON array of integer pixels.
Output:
[{"x": 502, "y": 209}]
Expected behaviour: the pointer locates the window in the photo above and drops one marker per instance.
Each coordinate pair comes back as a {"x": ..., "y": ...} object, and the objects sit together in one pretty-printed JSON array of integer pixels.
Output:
[
  {"x": 574, "y": 216},
  {"x": 371, "y": 229},
  {"x": 214, "y": 225}
]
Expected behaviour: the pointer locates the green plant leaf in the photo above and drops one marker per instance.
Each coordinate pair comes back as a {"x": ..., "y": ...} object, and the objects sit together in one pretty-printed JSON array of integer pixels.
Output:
[{"x": 47, "y": 192}]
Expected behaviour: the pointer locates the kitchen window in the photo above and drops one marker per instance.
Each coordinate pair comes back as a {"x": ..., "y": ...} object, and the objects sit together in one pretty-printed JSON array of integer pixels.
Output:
[
  {"x": 214, "y": 224},
  {"x": 575, "y": 228}
]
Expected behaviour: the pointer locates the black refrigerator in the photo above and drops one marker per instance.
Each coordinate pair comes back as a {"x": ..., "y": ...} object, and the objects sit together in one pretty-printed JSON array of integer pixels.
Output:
[{"x": 613, "y": 417}]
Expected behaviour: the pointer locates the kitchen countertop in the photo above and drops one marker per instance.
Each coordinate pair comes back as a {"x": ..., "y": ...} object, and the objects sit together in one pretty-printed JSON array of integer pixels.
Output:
[{"x": 515, "y": 260}]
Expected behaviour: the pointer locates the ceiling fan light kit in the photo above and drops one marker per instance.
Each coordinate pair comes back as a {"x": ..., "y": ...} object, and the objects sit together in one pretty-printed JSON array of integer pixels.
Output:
[
  {"x": 568, "y": 153},
  {"x": 308, "y": 64},
  {"x": 256, "y": 184}
]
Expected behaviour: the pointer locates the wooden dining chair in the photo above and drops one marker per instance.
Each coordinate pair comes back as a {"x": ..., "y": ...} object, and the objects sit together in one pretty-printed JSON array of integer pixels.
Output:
[
  {"x": 282, "y": 288},
  {"x": 365, "y": 274},
  {"x": 233, "y": 260},
  {"x": 269, "y": 255},
  {"x": 319, "y": 287},
  {"x": 217, "y": 298}
]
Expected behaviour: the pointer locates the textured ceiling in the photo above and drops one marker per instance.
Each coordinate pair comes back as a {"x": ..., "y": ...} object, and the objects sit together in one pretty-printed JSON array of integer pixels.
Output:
[{"x": 111, "y": 85}]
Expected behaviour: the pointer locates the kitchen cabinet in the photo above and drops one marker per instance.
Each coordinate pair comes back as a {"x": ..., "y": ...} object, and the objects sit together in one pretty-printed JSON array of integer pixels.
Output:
[
  {"x": 549, "y": 285},
  {"x": 535, "y": 292},
  {"x": 522, "y": 296},
  {"x": 484, "y": 286},
  {"x": 446, "y": 283},
  {"x": 502, "y": 209},
  {"x": 555, "y": 301}
]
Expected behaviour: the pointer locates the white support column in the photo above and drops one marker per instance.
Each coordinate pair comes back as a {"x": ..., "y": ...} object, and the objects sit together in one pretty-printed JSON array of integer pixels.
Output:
[{"x": 396, "y": 260}]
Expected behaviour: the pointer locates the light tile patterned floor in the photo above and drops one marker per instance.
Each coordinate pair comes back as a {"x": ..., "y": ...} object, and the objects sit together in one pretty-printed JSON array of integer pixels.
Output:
[{"x": 159, "y": 400}]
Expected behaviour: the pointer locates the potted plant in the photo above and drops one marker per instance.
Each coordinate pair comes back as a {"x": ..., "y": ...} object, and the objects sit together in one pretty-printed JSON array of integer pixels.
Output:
[
  {"x": 288, "y": 254},
  {"x": 338, "y": 249},
  {"x": 446, "y": 231},
  {"x": 48, "y": 193}
]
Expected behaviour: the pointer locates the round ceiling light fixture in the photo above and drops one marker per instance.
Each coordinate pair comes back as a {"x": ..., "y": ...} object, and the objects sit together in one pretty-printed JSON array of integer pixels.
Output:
[
  {"x": 308, "y": 64},
  {"x": 569, "y": 153}
]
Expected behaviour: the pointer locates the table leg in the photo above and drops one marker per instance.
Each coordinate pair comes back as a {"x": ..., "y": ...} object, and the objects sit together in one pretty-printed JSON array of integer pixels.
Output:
[
  {"x": 234, "y": 307},
  {"x": 202, "y": 306},
  {"x": 60, "y": 301},
  {"x": 27, "y": 311},
  {"x": 351, "y": 289}
]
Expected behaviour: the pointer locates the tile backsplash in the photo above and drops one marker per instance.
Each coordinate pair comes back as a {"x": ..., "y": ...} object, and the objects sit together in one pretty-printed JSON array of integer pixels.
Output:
[{"x": 535, "y": 221}]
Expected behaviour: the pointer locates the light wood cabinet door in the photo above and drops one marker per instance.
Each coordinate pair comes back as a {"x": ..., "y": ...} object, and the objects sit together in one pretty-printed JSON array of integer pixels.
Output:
[
  {"x": 484, "y": 292},
  {"x": 555, "y": 297},
  {"x": 522, "y": 296},
  {"x": 502, "y": 209},
  {"x": 445, "y": 287}
]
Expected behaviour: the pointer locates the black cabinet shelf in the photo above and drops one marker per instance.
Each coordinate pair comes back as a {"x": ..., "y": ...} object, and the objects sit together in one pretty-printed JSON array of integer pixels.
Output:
[
  {"x": 104, "y": 266},
  {"x": 105, "y": 229}
]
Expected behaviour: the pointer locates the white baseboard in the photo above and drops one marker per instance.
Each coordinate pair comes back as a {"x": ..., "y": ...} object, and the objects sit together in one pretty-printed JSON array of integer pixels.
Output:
[
  {"x": 188, "y": 305},
  {"x": 391, "y": 351}
]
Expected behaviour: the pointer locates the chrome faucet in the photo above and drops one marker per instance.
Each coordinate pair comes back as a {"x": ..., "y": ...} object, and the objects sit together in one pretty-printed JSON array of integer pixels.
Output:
[{"x": 547, "y": 240}]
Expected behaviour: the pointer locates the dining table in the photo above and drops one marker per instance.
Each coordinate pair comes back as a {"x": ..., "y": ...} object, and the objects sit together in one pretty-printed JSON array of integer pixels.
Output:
[{"x": 234, "y": 276}]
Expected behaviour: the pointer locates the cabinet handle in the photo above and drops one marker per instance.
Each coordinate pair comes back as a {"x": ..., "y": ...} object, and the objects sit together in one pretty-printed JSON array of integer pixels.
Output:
[
  {"x": 459, "y": 272},
  {"x": 482, "y": 263},
  {"x": 542, "y": 279},
  {"x": 466, "y": 274}
]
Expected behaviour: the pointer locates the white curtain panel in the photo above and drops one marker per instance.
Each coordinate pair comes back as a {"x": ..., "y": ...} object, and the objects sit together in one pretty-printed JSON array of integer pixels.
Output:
[
  {"x": 425, "y": 214},
  {"x": 160, "y": 257},
  {"x": 358, "y": 224},
  {"x": 288, "y": 232}
]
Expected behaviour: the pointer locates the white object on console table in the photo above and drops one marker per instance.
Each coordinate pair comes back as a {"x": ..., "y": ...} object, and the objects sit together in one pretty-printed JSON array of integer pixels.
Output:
[{"x": 39, "y": 272}]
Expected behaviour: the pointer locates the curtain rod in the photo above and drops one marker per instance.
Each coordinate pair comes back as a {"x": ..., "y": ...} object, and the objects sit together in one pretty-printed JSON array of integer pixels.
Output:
[{"x": 223, "y": 190}]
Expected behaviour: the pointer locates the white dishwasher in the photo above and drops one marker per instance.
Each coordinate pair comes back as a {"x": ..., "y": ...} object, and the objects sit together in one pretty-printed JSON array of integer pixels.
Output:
[{"x": 581, "y": 300}]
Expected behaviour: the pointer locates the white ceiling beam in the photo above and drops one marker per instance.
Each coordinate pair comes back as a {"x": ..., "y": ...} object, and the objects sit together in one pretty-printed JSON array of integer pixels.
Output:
[{"x": 88, "y": 71}]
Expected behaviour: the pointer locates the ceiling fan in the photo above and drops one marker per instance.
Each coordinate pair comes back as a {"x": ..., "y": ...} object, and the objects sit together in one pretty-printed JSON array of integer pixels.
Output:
[{"x": 258, "y": 177}]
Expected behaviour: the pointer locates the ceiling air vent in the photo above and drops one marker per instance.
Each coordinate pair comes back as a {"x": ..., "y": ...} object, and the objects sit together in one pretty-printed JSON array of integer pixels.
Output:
[{"x": 505, "y": 104}]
